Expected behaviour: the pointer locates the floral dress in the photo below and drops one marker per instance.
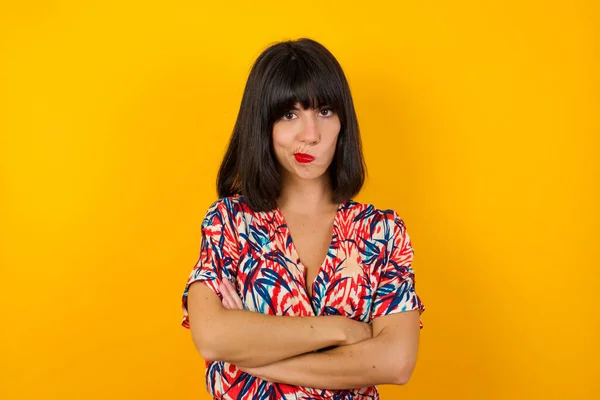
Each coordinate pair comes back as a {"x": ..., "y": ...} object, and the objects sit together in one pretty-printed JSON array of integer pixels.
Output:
[{"x": 367, "y": 273}]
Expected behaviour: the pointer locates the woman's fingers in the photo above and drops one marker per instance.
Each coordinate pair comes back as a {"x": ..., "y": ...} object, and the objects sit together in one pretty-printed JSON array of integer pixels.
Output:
[
  {"x": 236, "y": 299},
  {"x": 225, "y": 302},
  {"x": 233, "y": 298},
  {"x": 225, "y": 293}
]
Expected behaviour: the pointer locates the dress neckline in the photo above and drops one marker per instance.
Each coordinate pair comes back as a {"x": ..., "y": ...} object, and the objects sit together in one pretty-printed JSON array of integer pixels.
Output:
[{"x": 288, "y": 239}]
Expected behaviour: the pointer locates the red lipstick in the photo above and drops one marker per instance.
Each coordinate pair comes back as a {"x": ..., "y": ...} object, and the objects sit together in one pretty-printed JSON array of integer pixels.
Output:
[{"x": 304, "y": 158}]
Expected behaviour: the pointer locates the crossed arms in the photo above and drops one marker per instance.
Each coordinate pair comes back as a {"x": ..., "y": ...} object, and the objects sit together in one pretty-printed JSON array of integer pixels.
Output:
[{"x": 281, "y": 348}]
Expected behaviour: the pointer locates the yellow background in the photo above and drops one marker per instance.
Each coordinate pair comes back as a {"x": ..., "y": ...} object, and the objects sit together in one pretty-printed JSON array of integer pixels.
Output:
[{"x": 480, "y": 127}]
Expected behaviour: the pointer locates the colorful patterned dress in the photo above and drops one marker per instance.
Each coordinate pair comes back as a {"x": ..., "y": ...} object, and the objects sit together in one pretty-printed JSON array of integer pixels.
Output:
[{"x": 367, "y": 273}]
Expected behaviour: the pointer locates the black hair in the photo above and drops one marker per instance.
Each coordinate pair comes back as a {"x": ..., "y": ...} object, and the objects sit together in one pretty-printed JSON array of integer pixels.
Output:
[{"x": 288, "y": 72}]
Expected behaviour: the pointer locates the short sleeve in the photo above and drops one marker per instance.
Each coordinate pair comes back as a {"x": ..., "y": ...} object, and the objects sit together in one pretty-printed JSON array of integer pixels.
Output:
[
  {"x": 219, "y": 252},
  {"x": 396, "y": 287}
]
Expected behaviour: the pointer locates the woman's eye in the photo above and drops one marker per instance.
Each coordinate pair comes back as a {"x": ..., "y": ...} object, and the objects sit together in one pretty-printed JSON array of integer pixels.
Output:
[
  {"x": 328, "y": 112},
  {"x": 288, "y": 115}
]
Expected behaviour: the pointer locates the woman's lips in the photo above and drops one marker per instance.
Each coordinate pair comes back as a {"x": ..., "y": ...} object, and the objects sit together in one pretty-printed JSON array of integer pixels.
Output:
[{"x": 303, "y": 158}]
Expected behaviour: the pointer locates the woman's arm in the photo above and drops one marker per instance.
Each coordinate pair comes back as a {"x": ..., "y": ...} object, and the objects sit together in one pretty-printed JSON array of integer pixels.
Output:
[
  {"x": 388, "y": 358},
  {"x": 250, "y": 339}
]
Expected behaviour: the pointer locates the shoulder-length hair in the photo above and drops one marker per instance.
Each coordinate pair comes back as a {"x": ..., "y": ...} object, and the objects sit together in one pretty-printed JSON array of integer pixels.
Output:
[{"x": 285, "y": 73}]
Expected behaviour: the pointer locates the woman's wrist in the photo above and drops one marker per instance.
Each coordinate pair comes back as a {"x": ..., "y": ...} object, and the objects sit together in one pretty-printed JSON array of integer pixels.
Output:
[{"x": 341, "y": 330}]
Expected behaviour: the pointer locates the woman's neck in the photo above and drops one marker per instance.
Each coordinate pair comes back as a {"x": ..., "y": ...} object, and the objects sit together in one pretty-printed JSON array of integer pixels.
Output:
[{"x": 302, "y": 196}]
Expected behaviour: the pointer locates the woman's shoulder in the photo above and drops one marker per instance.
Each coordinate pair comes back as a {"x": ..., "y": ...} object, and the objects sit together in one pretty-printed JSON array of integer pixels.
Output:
[
  {"x": 369, "y": 211},
  {"x": 236, "y": 208},
  {"x": 369, "y": 221},
  {"x": 228, "y": 201},
  {"x": 230, "y": 205}
]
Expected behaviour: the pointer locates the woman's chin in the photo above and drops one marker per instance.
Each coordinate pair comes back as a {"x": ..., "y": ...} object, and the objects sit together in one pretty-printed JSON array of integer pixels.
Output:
[{"x": 308, "y": 173}]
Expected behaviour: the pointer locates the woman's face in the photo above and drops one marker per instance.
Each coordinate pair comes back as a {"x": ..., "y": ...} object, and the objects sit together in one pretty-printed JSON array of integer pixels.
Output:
[{"x": 304, "y": 140}]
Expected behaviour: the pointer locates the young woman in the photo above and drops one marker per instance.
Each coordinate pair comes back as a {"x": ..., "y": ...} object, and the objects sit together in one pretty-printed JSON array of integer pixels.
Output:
[{"x": 305, "y": 293}]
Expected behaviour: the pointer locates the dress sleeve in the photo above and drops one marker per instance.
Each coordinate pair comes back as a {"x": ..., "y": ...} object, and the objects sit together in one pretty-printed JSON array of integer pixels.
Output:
[
  {"x": 219, "y": 252},
  {"x": 396, "y": 287}
]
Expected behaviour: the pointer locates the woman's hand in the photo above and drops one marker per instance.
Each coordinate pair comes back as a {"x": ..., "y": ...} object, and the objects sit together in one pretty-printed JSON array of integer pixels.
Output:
[
  {"x": 231, "y": 300},
  {"x": 356, "y": 331}
]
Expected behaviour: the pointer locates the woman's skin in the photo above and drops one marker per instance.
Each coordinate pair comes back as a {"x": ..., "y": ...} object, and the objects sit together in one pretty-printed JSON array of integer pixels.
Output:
[{"x": 306, "y": 188}]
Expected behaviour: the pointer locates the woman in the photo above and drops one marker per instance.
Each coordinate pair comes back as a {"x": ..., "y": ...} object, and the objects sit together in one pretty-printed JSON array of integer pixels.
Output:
[{"x": 332, "y": 312}]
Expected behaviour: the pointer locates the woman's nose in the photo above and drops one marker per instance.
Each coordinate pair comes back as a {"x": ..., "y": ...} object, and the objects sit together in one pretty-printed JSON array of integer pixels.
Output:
[{"x": 310, "y": 131}]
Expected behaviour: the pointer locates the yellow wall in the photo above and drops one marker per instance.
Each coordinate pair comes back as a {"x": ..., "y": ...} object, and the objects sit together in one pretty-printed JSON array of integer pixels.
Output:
[{"x": 480, "y": 126}]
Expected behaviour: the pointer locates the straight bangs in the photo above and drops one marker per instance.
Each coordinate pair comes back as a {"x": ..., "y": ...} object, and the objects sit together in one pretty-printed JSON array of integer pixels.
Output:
[{"x": 308, "y": 82}]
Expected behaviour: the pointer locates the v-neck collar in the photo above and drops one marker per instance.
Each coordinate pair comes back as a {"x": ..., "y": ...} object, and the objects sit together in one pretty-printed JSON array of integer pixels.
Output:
[{"x": 313, "y": 300}]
